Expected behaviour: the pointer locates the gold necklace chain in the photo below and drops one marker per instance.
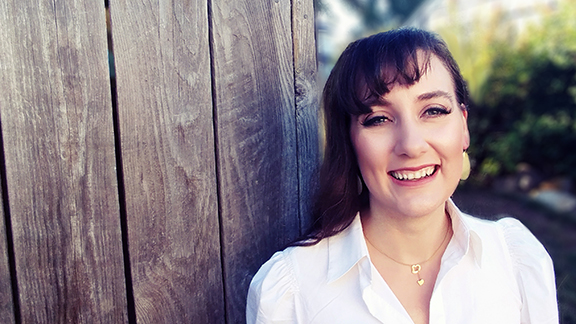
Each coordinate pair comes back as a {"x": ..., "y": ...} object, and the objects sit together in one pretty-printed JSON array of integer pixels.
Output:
[{"x": 416, "y": 267}]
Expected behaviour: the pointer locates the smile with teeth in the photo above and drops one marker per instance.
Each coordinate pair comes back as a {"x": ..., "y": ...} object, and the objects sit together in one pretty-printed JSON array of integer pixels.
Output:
[{"x": 413, "y": 175}]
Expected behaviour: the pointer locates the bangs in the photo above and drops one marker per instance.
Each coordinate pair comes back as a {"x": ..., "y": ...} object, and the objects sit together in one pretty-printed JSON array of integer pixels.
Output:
[
  {"x": 377, "y": 79},
  {"x": 370, "y": 67}
]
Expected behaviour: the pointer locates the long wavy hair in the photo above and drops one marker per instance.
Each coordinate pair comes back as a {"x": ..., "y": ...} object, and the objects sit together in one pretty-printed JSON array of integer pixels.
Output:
[{"x": 365, "y": 71}]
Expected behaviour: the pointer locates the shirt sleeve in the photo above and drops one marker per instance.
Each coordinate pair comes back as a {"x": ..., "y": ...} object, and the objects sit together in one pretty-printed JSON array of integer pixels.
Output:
[
  {"x": 534, "y": 272},
  {"x": 273, "y": 293}
]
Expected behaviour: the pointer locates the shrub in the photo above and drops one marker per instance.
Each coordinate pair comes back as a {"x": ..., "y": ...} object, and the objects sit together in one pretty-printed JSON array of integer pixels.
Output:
[{"x": 523, "y": 89}]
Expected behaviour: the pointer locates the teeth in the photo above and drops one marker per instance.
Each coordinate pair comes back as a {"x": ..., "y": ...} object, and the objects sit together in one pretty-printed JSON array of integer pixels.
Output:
[{"x": 405, "y": 175}]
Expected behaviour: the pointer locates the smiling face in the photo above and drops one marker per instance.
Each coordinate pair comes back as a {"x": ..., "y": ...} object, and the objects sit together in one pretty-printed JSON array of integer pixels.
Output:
[{"x": 409, "y": 148}]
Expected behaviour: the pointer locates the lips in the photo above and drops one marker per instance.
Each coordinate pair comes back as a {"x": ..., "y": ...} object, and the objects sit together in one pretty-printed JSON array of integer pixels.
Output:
[{"x": 413, "y": 175}]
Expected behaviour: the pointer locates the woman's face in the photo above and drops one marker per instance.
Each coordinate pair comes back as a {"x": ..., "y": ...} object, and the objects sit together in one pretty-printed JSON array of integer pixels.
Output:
[{"x": 409, "y": 148}]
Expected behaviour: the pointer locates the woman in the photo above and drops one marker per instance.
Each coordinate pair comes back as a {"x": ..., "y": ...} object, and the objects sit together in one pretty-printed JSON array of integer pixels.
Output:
[{"x": 388, "y": 245}]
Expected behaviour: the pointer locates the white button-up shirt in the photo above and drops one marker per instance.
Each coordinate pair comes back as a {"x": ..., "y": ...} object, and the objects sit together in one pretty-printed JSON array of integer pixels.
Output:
[{"x": 491, "y": 272}]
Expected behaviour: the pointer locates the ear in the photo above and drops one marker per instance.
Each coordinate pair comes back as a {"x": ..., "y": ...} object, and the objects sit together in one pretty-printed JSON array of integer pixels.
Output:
[{"x": 466, "y": 143}]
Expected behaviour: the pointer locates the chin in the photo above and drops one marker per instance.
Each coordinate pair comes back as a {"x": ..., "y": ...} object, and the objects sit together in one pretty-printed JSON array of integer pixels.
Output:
[{"x": 422, "y": 206}]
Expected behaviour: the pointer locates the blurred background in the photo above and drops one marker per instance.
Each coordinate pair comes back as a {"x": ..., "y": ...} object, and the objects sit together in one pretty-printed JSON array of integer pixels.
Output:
[{"x": 519, "y": 59}]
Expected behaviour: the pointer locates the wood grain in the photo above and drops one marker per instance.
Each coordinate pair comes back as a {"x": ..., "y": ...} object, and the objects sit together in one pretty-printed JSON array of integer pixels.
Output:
[
  {"x": 307, "y": 104},
  {"x": 58, "y": 137},
  {"x": 6, "y": 299},
  {"x": 165, "y": 110},
  {"x": 257, "y": 142}
]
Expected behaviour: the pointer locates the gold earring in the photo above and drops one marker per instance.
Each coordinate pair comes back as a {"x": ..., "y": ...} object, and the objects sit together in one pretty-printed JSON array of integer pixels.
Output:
[{"x": 465, "y": 166}]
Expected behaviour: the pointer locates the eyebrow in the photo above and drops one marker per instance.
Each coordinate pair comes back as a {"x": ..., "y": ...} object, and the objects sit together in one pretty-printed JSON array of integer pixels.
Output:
[
  {"x": 435, "y": 94},
  {"x": 425, "y": 96}
]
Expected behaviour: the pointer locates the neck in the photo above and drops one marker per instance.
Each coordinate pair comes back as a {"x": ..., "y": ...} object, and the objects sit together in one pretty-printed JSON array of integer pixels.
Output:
[{"x": 406, "y": 239}]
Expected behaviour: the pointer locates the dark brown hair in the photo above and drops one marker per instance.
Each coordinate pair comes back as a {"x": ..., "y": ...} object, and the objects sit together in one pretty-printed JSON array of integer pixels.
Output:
[{"x": 363, "y": 73}]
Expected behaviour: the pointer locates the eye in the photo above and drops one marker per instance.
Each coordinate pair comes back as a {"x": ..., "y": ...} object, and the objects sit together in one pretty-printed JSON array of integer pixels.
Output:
[
  {"x": 375, "y": 120},
  {"x": 436, "y": 111}
]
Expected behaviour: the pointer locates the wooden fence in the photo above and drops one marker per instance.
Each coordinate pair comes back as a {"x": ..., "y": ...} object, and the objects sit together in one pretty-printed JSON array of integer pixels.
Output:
[{"x": 154, "y": 197}]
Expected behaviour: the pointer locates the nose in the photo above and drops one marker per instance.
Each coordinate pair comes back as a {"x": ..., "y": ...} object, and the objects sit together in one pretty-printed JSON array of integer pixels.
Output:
[{"x": 410, "y": 140}]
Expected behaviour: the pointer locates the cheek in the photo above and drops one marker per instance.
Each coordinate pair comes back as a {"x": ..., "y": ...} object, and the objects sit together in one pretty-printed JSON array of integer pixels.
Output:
[
  {"x": 451, "y": 144},
  {"x": 452, "y": 136},
  {"x": 361, "y": 148},
  {"x": 371, "y": 153},
  {"x": 364, "y": 148}
]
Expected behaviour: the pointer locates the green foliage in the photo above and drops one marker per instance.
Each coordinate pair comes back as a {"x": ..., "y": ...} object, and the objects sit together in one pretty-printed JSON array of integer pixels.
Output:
[
  {"x": 527, "y": 114},
  {"x": 523, "y": 87}
]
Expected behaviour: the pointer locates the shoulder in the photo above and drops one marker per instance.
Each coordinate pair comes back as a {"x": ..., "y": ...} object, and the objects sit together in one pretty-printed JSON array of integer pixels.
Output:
[
  {"x": 511, "y": 231},
  {"x": 275, "y": 291},
  {"x": 513, "y": 238},
  {"x": 272, "y": 291},
  {"x": 534, "y": 272},
  {"x": 524, "y": 247},
  {"x": 274, "y": 274},
  {"x": 531, "y": 265},
  {"x": 285, "y": 266}
]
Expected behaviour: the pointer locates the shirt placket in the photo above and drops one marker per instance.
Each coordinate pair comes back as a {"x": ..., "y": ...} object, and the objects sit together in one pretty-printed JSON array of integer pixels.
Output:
[{"x": 379, "y": 299}]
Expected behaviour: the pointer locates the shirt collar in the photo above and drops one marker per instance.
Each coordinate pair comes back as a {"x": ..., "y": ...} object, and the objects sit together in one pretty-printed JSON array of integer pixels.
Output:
[
  {"x": 466, "y": 239},
  {"x": 348, "y": 247}
]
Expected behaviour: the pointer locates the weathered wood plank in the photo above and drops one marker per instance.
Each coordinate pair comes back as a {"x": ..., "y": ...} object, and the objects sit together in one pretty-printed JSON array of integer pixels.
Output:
[
  {"x": 307, "y": 102},
  {"x": 6, "y": 299},
  {"x": 59, "y": 147},
  {"x": 165, "y": 110},
  {"x": 256, "y": 132}
]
